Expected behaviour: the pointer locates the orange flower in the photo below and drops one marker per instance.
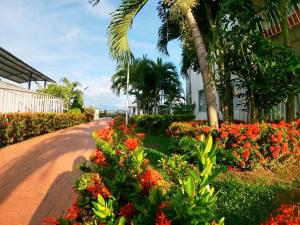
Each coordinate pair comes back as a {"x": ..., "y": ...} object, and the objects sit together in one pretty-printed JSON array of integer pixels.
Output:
[
  {"x": 246, "y": 154},
  {"x": 161, "y": 219},
  {"x": 100, "y": 158},
  {"x": 49, "y": 221},
  {"x": 99, "y": 189},
  {"x": 132, "y": 144},
  {"x": 73, "y": 212},
  {"x": 150, "y": 178}
]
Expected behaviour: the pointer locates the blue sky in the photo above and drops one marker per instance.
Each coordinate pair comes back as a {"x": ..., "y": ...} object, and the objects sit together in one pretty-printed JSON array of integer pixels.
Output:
[{"x": 67, "y": 38}]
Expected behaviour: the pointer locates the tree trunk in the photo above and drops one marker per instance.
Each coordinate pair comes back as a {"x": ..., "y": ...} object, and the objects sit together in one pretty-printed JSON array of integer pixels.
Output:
[
  {"x": 227, "y": 108},
  {"x": 127, "y": 94},
  {"x": 209, "y": 84},
  {"x": 290, "y": 105},
  {"x": 253, "y": 110}
]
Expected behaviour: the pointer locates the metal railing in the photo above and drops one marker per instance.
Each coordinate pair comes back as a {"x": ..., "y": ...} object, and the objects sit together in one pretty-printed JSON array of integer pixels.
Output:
[{"x": 270, "y": 25}]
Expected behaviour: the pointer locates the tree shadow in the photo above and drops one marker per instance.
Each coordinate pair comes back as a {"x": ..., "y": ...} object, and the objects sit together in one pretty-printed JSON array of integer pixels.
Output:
[
  {"x": 69, "y": 143},
  {"x": 59, "y": 195}
]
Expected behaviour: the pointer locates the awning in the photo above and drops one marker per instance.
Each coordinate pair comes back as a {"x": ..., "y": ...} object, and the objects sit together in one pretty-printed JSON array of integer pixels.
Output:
[{"x": 14, "y": 69}]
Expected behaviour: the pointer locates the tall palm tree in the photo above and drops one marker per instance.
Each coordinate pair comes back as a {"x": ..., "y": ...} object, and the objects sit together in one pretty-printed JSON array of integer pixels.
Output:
[
  {"x": 180, "y": 10},
  {"x": 72, "y": 90}
]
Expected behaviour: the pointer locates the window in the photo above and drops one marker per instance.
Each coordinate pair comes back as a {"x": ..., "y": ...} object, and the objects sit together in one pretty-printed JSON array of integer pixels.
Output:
[{"x": 202, "y": 103}]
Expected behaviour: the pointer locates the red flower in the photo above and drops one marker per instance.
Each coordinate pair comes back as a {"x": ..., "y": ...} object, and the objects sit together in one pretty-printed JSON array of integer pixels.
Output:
[
  {"x": 247, "y": 145},
  {"x": 98, "y": 157},
  {"x": 49, "y": 221},
  {"x": 246, "y": 154},
  {"x": 230, "y": 168},
  {"x": 161, "y": 219},
  {"x": 141, "y": 136},
  {"x": 285, "y": 215},
  {"x": 73, "y": 212},
  {"x": 150, "y": 178},
  {"x": 127, "y": 211},
  {"x": 132, "y": 144},
  {"x": 99, "y": 189}
]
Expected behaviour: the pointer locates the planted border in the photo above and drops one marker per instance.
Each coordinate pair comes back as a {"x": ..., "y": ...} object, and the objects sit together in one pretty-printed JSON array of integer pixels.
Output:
[{"x": 16, "y": 127}]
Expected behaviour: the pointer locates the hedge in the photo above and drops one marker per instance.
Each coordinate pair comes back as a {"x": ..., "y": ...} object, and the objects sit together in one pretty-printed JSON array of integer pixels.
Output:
[
  {"x": 246, "y": 145},
  {"x": 16, "y": 127},
  {"x": 158, "y": 123}
]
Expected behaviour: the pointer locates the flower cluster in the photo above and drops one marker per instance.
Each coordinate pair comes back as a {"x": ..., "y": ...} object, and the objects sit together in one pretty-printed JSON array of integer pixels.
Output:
[
  {"x": 245, "y": 145},
  {"x": 285, "y": 215}
]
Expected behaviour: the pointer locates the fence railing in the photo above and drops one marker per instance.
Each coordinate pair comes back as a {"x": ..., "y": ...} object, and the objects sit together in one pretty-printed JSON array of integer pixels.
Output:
[
  {"x": 22, "y": 101},
  {"x": 270, "y": 25}
]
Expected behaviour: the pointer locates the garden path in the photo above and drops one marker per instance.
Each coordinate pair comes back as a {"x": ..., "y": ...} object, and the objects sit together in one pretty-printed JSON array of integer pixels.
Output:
[{"x": 36, "y": 176}]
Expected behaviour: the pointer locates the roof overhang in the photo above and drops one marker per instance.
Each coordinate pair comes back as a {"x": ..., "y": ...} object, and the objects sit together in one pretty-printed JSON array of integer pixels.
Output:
[{"x": 14, "y": 69}]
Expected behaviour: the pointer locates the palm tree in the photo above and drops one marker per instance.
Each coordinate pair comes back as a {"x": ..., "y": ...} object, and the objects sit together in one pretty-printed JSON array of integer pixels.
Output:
[
  {"x": 72, "y": 90},
  {"x": 149, "y": 82},
  {"x": 180, "y": 10}
]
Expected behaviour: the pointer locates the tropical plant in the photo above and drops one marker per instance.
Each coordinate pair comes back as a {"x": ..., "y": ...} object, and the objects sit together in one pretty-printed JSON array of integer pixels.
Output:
[
  {"x": 181, "y": 11},
  {"x": 153, "y": 84}
]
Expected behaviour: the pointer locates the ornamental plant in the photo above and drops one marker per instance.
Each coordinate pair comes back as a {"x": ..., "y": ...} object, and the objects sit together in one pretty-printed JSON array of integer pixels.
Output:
[
  {"x": 244, "y": 145},
  {"x": 16, "y": 127},
  {"x": 285, "y": 215},
  {"x": 118, "y": 185}
]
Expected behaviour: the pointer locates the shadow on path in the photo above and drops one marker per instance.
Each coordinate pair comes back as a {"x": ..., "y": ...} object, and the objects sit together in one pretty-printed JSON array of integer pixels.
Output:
[{"x": 59, "y": 195}]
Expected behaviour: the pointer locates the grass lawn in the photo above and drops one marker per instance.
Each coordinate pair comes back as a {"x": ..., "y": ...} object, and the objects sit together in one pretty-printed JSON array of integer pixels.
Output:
[{"x": 156, "y": 147}]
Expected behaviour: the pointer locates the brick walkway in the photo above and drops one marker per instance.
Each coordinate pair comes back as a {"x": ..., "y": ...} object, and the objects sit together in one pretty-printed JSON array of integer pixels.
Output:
[{"x": 36, "y": 176}]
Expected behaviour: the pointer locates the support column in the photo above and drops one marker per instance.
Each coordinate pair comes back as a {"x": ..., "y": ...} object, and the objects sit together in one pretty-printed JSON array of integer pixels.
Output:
[
  {"x": 45, "y": 84},
  {"x": 29, "y": 84}
]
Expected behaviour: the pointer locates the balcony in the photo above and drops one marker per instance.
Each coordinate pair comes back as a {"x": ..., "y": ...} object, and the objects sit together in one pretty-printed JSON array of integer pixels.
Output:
[{"x": 273, "y": 27}]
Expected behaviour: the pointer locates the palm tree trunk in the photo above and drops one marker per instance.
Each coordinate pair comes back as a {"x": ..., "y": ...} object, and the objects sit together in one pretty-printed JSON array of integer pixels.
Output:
[
  {"x": 209, "y": 84},
  {"x": 127, "y": 94},
  {"x": 290, "y": 104}
]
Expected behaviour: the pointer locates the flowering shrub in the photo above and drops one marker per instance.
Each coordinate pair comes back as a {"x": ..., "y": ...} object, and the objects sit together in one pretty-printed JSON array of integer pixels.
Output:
[
  {"x": 158, "y": 123},
  {"x": 285, "y": 215},
  {"x": 15, "y": 127},
  {"x": 246, "y": 145},
  {"x": 118, "y": 185}
]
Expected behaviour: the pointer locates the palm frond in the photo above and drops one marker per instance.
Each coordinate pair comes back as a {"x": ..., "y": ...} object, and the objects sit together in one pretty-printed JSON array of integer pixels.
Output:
[{"x": 119, "y": 27}]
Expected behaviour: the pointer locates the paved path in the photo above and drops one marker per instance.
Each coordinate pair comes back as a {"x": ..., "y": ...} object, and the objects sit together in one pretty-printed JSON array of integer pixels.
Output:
[{"x": 36, "y": 176}]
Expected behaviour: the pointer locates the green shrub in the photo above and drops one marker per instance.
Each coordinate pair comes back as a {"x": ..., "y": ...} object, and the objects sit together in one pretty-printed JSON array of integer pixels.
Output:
[
  {"x": 16, "y": 127},
  {"x": 183, "y": 109},
  {"x": 158, "y": 123},
  {"x": 76, "y": 110}
]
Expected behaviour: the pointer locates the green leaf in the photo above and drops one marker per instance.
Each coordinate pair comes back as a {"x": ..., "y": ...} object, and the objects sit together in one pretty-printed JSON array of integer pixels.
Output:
[
  {"x": 190, "y": 187},
  {"x": 122, "y": 221},
  {"x": 208, "y": 145}
]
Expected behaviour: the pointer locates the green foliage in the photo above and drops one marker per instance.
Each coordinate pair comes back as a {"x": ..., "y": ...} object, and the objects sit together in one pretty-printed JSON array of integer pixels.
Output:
[
  {"x": 183, "y": 109},
  {"x": 16, "y": 127},
  {"x": 69, "y": 91},
  {"x": 153, "y": 83},
  {"x": 158, "y": 123},
  {"x": 76, "y": 110},
  {"x": 242, "y": 202},
  {"x": 262, "y": 69}
]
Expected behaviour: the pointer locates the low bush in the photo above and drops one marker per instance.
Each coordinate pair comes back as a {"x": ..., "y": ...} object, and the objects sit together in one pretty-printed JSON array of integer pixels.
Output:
[
  {"x": 16, "y": 127},
  {"x": 246, "y": 145},
  {"x": 158, "y": 123},
  {"x": 118, "y": 186}
]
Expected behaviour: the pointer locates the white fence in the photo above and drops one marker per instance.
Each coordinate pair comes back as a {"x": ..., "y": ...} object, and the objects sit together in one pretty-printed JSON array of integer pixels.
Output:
[{"x": 26, "y": 101}]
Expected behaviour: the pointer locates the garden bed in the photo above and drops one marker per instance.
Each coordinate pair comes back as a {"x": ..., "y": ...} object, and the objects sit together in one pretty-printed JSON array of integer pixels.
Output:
[{"x": 161, "y": 180}]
